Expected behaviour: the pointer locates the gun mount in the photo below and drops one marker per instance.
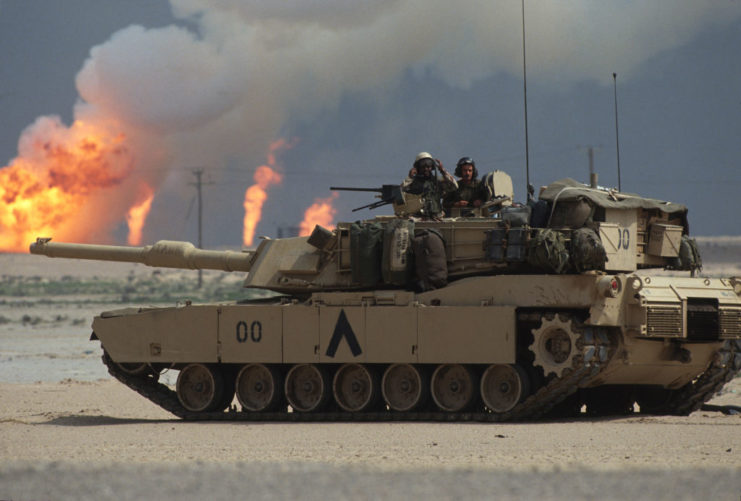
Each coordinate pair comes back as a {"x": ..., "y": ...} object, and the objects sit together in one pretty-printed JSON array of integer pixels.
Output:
[{"x": 388, "y": 194}]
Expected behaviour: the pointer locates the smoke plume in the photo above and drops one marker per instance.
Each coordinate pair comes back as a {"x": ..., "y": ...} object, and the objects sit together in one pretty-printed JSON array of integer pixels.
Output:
[{"x": 224, "y": 83}]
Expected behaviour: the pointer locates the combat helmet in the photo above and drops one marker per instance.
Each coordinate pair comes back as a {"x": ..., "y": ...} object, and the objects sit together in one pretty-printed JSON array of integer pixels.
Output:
[{"x": 466, "y": 161}]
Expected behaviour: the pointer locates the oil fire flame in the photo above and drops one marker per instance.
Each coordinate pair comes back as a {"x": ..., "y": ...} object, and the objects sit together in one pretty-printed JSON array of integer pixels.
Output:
[
  {"x": 51, "y": 188},
  {"x": 137, "y": 215},
  {"x": 255, "y": 196},
  {"x": 321, "y": 212}
]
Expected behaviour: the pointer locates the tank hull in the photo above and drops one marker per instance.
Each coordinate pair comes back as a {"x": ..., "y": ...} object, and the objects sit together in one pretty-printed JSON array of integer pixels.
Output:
[{"x": 556, "y": 338}]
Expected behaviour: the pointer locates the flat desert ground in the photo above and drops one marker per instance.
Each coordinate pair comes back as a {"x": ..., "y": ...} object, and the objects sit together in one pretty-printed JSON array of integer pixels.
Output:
[{"x": 68, "y": 431}]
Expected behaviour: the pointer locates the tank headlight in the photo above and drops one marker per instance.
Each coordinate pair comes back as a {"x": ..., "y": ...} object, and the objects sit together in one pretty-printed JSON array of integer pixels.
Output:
[{"x": 609, "y": 286}]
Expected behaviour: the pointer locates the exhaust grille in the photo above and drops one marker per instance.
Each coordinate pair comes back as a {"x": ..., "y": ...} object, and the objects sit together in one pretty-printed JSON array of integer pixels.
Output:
[
  {"x": 664, "y": 320},
  {"x": 730, "y": 322}
]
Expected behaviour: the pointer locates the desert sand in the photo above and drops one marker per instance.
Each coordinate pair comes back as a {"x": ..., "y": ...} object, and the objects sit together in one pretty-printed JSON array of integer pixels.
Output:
[
  {"x": 105, "y": 422},
  {"x": 99, "y": 440}
]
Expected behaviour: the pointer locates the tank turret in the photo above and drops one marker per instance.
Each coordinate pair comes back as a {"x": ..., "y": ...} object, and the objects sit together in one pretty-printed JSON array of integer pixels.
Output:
[{"x": 571, "y": 229}]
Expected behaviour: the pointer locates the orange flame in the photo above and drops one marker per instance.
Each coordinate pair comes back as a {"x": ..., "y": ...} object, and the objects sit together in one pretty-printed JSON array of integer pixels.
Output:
[
  {"x": 321, "y": 212},
  {"x": 44, "y": 191},
  {"x": 137, "y": 215},
  {"x": 255, "y": 196}
]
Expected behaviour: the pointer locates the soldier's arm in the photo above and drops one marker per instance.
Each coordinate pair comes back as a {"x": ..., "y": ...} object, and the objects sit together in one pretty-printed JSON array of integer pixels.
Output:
[{"x": 448, "y": 183}]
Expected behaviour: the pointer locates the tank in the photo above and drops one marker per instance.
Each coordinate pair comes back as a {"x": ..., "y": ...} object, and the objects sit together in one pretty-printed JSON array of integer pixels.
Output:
[{"x": 507, "y": 312}]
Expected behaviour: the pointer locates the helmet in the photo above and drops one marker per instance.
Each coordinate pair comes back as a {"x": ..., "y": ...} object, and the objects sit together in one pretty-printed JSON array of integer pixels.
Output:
[
  {"x": 466, "y": 161},
  {"x": 424, "y": 159},
  {"x": 421, "y": 155}
]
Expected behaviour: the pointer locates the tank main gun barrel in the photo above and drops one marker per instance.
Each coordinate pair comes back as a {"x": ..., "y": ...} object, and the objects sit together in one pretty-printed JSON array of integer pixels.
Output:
[{"x": 163, "y": 254}]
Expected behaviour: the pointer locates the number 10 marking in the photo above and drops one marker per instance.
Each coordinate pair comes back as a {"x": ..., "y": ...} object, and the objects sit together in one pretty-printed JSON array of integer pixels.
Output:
[{"x": 623, "y": 239}]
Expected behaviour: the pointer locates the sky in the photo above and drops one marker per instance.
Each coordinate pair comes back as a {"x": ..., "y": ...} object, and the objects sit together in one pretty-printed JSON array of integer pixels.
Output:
[{"x": 356, "y": 89}]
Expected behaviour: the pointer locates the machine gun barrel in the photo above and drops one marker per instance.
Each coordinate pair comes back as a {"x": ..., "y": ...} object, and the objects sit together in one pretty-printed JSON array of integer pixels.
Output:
[
  {"x": 163, "y": 254},
  {"x": 342, "y": 188},
  {"x": 389, "y": 193}
]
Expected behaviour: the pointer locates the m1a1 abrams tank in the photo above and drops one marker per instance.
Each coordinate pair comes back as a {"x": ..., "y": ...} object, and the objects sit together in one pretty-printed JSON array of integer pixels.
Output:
[{"x": 517, "y": 313}]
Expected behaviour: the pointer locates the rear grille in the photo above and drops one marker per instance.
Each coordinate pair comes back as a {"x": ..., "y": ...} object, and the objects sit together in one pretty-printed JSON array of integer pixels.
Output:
[
  {"x": 730, "y": 322},
  {"x": 664, "y": 321}
]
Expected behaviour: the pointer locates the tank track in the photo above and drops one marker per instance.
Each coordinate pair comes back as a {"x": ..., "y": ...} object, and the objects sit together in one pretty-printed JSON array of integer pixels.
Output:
[
  {"x": 596, "y": 350},
  {"x": 725, "y": 366}
]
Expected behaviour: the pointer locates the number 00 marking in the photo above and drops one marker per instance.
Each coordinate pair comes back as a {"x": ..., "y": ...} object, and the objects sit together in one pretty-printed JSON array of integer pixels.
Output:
[{"x": 253, "y": 332}]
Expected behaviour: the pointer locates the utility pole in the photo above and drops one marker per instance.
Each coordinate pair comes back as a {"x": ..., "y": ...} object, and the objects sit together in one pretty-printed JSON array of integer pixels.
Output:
[{"x": 198, "y": 173}]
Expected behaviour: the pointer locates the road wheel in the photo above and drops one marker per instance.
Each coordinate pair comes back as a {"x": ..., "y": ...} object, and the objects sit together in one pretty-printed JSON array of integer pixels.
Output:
[
  {"x": 453, "y": 387},
  {"x": 355, "y": 387},
  {"x": 307, "y": 388},
  {"x": 200, "y": 388},
  {"x": 404, "y": 387},
  {"x": 504, "y": 386},
  {"x": 259, "y": 388}
]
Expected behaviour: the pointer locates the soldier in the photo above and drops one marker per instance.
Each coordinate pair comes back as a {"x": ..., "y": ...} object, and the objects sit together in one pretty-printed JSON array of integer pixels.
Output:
[
  {"x": 423, "y": 181},
  {"x": 471, "y": 191}
]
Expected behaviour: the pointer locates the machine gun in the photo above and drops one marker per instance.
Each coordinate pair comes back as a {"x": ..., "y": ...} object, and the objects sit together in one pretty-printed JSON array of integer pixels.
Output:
[{"x": 388, "y": 194}]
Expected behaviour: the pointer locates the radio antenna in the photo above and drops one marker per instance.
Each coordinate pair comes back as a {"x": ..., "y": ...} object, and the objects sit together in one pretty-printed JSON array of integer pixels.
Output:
[
  {"x": 617, "y": 136},
  {"x": 524, "y": 84}
]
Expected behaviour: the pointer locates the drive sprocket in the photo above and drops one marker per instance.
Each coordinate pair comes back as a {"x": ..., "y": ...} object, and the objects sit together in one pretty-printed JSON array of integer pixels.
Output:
[{"x": 555, "y": 344}]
